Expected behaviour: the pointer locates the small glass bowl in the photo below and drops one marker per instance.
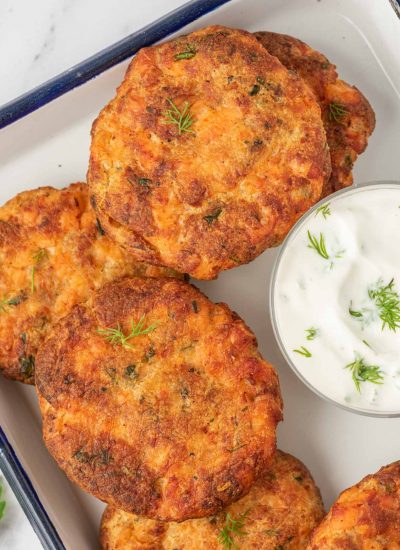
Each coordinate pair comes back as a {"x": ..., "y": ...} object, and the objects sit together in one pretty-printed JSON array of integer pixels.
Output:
[{"x": 389, "y": 184}]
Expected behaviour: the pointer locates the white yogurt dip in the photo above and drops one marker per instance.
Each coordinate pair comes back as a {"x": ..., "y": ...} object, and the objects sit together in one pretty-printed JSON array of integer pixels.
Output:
[{"x": 336, "y": 298}]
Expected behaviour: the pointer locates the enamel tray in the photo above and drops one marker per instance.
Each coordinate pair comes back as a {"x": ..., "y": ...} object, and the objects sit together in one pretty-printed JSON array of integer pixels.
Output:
[{"x": 50, "y": 146}]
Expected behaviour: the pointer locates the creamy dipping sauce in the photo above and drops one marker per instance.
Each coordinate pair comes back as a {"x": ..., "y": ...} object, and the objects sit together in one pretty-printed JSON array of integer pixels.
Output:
[{"x": 336, "y": 298}]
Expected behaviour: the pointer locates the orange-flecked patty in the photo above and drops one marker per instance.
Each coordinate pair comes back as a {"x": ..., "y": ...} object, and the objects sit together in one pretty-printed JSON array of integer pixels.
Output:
[
  {"x": 364, "y": 517},
  {"x": 280, "y": 512},
  {"x": 174, "y": 423},
  {"x": 348, "y": 117},
  {"x": 53, "y": 252},
  {"x": 244, "y": 159}
]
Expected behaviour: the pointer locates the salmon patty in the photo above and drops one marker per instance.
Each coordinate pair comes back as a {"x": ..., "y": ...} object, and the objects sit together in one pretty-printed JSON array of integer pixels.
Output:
[
  {"x": 209, "y": 153},
  {"x": 53, "y": 252},
  {"x": 347, "y": 115},
  {"x": 364, "y": 517},
  {"x": 156, "y": 400},
  {"x": 280, "y": 511}
]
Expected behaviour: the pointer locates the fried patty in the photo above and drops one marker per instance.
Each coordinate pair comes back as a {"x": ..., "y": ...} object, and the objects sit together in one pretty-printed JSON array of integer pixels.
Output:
[
  {"x": 280, "y": 511},
  {"x": 53, "y": 252},
  {"x": 364, "y": 517},
  {"x": 208, "y": 154},
  {"x": 174, "y": 418},
  {"x": 347, "y": 115}
]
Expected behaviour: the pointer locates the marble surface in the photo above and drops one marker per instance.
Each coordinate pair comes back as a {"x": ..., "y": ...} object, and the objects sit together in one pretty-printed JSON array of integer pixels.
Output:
[
  {"x": 40, "y": 39},
  {"x": 16, "y": 532}
]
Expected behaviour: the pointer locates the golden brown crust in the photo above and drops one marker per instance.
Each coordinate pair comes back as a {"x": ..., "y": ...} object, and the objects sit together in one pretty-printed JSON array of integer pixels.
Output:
[
  {"x": 52, "y": 254},
  {"x": 177, "y": 426},
  {"x": 347, "y": 134},
  {"x": 311, "y": 65},
  {"x": 216, "y": 198},
  {"x": 347, "y": 137},
  {"x": 364, "y": 517},
  {"x": 283, "y": 507}
]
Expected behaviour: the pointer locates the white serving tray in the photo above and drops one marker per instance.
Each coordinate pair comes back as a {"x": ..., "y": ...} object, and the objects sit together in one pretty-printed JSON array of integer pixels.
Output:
[{"x": 50, "y": 147}]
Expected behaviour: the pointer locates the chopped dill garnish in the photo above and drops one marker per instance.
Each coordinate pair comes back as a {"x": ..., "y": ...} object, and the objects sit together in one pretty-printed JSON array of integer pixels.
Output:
[
  {"x": 27, "y": 365},
  {"x": 348, "y": 161},
  {"x": 353, "y": 312},
  {"x": 318, "y": 245},
  {"x": 234, "y": 449},
  {"x": 324, "y": 210},
  {"x": 311, "y": 333},
  {"x": 4, "y": 303},
  {"x": 303, "y": 351},
  {"x": 33, "y": 279},
  {"x": 131, "y": 372},
  {"x": 14, "y": 301},
  {"x": 336, "y": 112},
  {"x": 145, "y": 182},
  {"x": 255, "y": 89},
  {"x": 181, "y": 118},
  {"x": 366, "y": 343},
  {"x": 233, "y": 528},
  {"x": 387, "y": 300},
  {"x": 364, "y": 373},
  {"x": 210, "y": 218},
  {"x": 189, "y": 52},
  {"x": 116, "y": 336},
  {"x": 99, "y": 227},
  {"x": 38, "y": 257}
]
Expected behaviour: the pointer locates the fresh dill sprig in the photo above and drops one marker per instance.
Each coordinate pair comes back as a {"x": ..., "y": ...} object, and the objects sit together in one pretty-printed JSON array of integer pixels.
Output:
[
  {"x": 336, "y": 112},
  {"x": 303, "y": 351},
  {"x": 318, "y": 245},
  {"x": 33, "y": 271},
  {"x": 181, "y": 118},
  {"x": 324, "y": 210},
  {"x": 233, "y": 528},
  {"x": 189, "y": 52},
  {"x": 38, "y": 257},
  {"x": 354, "y": 312},
  {"x": 387, "y": 300},
  {"x": 311, "y": 333},
  {"x": 3, "y": 303},
  {"x": 361, "y": 372},
  {"x": 116, "y": 336},
  {"x": 14, "y": 301}
]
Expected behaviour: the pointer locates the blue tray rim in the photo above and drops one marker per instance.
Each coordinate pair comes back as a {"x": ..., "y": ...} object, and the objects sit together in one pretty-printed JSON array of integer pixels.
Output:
[
  {"x": 105, "y": 59},
  {"x": 27, "y": 497}
]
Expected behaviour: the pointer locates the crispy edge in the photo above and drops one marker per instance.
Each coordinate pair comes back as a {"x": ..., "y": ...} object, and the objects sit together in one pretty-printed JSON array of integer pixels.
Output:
[{"x": 369, "y": 503}]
